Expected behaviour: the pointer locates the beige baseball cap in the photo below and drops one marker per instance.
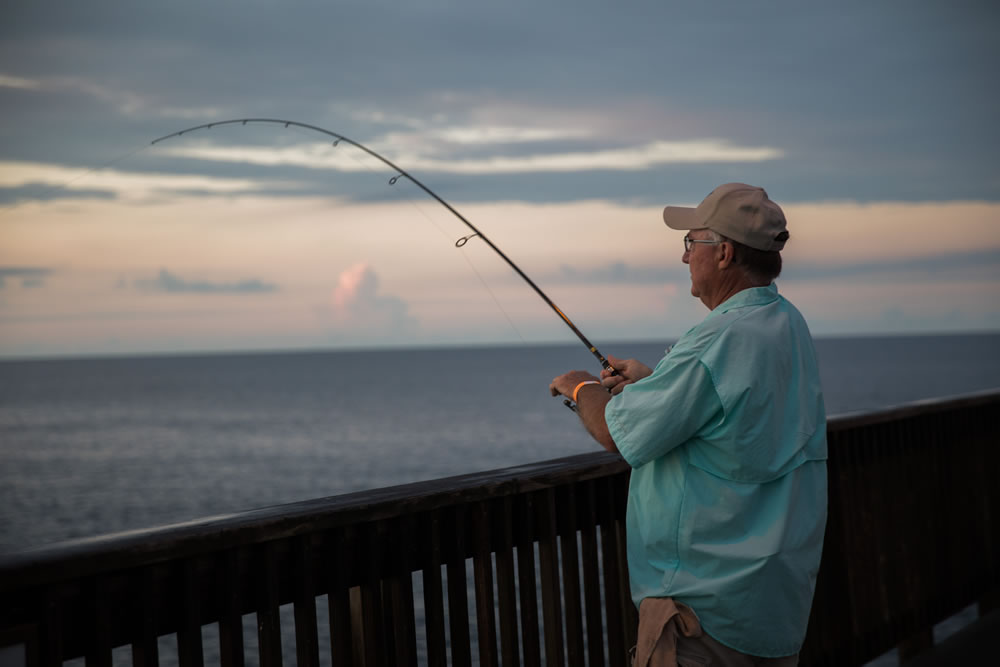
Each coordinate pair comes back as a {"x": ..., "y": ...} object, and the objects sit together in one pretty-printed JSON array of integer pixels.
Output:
[{"x": 737, "y": 211}]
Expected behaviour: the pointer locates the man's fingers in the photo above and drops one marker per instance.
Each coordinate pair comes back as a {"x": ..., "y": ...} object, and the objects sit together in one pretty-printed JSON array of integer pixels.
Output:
[
  {"x": 615, "y": 384},
  {"x": 618, "y": 364}
]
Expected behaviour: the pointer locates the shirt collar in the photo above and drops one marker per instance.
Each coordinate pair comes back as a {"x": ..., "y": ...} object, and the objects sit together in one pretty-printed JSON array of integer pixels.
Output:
[{"x": 753, "y": 296}]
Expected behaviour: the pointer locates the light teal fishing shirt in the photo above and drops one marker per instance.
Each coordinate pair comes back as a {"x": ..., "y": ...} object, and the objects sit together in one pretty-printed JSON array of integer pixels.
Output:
[{"x": 727, "y": 500}]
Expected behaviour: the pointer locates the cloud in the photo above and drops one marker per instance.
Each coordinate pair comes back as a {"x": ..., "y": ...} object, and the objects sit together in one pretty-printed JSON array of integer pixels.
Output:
[
  {"x": 963, "y": 265},
  {"x": 629, "y": 158},
  {"x": 18, "y": 82},
  {"x": 620, "y": 272},
  {"x": 31, "y": 276},
  {"x": 861, "y": 129},
  {"x": 169, "y": 282},
  {"x": 128, "y": 103},
  {"x": 358, "y": 307},
  {"x": 45, "y": 192},
  {"x": 32, "y": 180},
  {"x": 501, "y": 134}
]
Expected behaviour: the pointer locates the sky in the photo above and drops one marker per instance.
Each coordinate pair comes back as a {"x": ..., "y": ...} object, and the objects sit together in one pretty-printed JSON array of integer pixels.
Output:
[{"x": 559, "y": 129}]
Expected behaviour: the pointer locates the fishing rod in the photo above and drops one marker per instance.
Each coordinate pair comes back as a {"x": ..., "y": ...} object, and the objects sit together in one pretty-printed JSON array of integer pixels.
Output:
[{"x": 402, "y": 173}]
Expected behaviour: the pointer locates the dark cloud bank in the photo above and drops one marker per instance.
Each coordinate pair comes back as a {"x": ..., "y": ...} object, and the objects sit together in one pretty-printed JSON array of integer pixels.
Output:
[{"x": 166, "y": 281}]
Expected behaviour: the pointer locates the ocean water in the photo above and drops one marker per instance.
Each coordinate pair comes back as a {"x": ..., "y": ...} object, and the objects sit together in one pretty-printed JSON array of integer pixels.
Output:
[{"x": 90, "y": 446}]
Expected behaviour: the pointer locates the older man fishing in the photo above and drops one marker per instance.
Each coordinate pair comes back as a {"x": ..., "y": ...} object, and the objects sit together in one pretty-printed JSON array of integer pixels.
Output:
[{"x": 726, "y": 437}]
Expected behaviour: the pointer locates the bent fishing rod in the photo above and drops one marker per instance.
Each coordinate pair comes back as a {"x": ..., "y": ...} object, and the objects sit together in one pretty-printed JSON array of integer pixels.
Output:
[{"x": 402, "y": 173}]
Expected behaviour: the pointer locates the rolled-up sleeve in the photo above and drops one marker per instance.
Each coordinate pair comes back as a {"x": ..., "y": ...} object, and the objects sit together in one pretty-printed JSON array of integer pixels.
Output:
[{"x": 658, "y": 413}]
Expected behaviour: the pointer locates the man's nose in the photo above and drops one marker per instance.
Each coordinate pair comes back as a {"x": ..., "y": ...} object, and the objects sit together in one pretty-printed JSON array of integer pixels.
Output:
[{"x": 684, "y": 257}]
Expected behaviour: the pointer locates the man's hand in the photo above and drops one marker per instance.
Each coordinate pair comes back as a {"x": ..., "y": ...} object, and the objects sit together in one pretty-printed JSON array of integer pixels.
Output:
[
  {"x": 567, "y": 382},
  {"x": 629, "y": 371},
  {"x": 590, "y": 404}
]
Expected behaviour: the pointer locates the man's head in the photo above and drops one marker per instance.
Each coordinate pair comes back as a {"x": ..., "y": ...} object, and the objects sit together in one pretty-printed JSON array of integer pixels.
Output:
[
  {"x": 734, "y": 243},
  {"x": 740, "y": 212}
]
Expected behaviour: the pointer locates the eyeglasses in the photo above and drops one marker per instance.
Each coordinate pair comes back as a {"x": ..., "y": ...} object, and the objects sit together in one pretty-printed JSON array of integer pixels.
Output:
[{"x": 689, "y": 242}]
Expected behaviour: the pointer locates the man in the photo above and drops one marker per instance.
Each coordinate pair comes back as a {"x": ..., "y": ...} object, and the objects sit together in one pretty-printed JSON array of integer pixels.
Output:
[{"x": 727, "y": 440}]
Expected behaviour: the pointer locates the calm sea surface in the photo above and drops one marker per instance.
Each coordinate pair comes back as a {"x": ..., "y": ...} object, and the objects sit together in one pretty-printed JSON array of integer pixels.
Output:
[{"x": 91, "y": 446}]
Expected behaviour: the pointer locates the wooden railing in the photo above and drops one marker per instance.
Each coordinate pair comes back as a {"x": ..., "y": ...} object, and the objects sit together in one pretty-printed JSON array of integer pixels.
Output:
[
  {"x": 522, "y": 566},
  {"x": 913, "y": 534}
]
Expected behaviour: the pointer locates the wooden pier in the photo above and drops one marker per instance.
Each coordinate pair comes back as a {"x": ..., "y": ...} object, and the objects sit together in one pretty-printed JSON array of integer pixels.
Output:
[{"x": 521, "y": 566}]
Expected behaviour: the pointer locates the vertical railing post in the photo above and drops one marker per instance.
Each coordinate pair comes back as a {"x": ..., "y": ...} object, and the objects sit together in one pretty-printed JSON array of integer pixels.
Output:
[
  {"x": 434, "y": 615},
  {"x": 145, "y": 649},
  {"x": 458, "y": 593},
  {"x": 231, "y": 653},
  {"x": 525, "y": 519},
  {"x": 591, "y": 575},
  {"x": 343, "y": 545},
  {"x": 570, "y": 566},
  {"x": 548, "y": 548},
  {"x": 506, "y": 583},
  {"x": 482, "y": 566},
  {"x": 189, "y": 644},
  {"x": 306, "y": 630},
  {"x": 268, "y": 618}
]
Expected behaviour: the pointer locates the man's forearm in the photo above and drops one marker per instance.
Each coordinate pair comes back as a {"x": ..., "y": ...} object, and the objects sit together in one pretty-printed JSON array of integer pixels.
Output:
[{"x": 590, "y": 404}]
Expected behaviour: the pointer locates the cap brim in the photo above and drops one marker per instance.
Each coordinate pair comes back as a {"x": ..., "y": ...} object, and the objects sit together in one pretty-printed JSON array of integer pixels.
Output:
[{"x": 681, "y": 217}]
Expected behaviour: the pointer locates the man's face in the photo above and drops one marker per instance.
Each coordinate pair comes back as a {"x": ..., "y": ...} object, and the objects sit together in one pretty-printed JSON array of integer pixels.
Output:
[{"x": 701, "y": 259}]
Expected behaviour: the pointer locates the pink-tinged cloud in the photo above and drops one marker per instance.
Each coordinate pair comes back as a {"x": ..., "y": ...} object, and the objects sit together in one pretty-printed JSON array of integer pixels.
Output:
[
  {"x": 359, "y": 309},
  {"x": 354, "y": 284}
]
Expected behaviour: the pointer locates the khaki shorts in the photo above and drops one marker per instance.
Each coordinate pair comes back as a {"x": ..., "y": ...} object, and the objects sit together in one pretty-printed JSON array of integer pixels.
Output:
[{"x": 670, "y": 635}]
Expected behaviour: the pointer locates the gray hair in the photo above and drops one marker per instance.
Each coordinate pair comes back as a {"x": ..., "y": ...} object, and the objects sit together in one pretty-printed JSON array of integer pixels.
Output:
[{"x": 760, "y": 267}]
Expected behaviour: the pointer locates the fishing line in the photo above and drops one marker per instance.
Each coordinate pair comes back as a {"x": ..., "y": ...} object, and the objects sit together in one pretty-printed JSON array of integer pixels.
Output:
[
  {"x": 7, "y": 208},
  {"x": 401, "y": 173},
  {"x": 459, "y": 244}
]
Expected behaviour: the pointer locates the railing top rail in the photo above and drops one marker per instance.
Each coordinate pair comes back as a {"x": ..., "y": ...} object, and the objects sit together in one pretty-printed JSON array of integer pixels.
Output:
[
  {"x": 88, "y": 556},
  {"x": 915, "y": 408}
]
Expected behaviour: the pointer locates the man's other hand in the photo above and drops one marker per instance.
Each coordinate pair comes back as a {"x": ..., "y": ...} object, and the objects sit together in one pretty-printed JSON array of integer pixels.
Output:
[
  {"x": 567, "y": 382},
  {"x": 629, "y": 371}
]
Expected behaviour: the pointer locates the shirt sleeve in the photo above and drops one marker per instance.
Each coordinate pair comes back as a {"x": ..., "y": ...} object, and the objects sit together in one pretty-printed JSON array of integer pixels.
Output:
[{"x": 661, "y": 412}]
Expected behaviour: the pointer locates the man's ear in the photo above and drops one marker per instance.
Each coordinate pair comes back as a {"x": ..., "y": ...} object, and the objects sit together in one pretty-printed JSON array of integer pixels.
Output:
[{"x": 726, "y": 254}]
